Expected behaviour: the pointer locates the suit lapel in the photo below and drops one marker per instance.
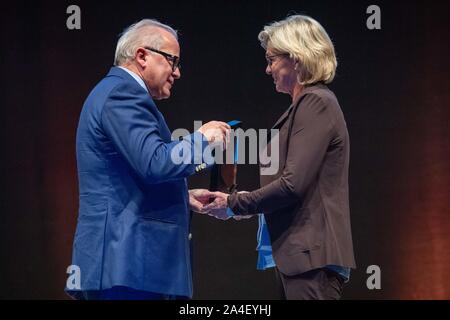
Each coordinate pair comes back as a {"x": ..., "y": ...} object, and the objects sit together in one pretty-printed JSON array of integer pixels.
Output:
[{"x": 285, "y": 115}]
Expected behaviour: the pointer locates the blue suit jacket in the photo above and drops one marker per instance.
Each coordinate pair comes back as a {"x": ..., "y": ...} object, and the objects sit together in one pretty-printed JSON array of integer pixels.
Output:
[{"x": 133, "y": 221}]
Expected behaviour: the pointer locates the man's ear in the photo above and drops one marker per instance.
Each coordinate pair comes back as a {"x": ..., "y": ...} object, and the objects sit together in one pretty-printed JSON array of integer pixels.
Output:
[{"x": 141, "y": 56}]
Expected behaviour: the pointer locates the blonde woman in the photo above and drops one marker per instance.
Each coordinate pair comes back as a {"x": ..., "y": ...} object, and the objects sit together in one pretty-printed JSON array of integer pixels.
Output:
[{"x": 306, "y": 204}]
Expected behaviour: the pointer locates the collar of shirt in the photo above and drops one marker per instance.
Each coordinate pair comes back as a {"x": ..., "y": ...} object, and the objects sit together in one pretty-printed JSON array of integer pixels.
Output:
[{"x": 136, "y": 77}]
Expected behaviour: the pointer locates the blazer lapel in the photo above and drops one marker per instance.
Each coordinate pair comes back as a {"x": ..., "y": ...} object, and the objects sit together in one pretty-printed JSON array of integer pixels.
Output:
[{"x": 285, "y": 115}]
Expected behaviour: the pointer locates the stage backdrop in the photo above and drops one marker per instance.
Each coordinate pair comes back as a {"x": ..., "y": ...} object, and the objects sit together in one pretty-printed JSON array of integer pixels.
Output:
[{"x": 392, "y": 84}]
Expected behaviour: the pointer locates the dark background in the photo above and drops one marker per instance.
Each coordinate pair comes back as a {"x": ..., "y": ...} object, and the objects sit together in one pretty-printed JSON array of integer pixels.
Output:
[{"x": 391, "y": 83}]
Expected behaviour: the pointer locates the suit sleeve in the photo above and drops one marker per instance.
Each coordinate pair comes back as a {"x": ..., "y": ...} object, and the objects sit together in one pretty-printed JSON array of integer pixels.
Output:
[
  {"x": 129, "y": 120},
  {"x": 309, "y": 139}
]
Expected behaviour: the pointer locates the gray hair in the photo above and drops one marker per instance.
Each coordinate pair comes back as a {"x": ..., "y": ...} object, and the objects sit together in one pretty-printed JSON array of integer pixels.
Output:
[{"x": 142, "y": 33}]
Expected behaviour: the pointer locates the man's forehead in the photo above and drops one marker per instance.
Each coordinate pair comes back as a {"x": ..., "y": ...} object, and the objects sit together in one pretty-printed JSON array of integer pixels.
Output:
[
  {"x": 159, "y": 30},
  {"x": 169, "y": 41},
  {"x": 167, "y": 36},
  {"x": 171, "y": 47}
]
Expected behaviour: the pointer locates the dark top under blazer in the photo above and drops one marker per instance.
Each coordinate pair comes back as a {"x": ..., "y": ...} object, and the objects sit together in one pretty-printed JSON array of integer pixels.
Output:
[{"x": 306, "y": 203}]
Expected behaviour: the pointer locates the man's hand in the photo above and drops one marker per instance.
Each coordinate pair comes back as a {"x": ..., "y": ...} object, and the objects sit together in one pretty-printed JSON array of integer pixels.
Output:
[
  {"x": 198, "y": 198},
  {"x": 216, "y": 131},
  {"x": 218, "y": 208}
]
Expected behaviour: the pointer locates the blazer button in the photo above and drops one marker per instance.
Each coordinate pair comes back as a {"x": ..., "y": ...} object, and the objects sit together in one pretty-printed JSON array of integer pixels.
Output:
[{"x": 190, "y": 236}]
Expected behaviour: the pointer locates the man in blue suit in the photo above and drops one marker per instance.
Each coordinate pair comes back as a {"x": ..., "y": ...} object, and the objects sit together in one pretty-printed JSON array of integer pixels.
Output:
[{"x": 132, "y": 239}]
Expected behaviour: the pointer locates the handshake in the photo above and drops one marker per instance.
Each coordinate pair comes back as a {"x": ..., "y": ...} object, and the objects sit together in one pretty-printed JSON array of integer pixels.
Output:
[{"x": 212, "y": 203}]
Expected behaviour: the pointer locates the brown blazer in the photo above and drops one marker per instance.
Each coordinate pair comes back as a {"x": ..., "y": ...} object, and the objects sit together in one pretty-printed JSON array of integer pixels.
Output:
[{"x": 306, "y": 203}]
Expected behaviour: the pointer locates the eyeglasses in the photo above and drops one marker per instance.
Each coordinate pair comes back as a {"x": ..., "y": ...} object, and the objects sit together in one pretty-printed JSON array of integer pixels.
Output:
[
  {"x": 174, "y": 61},
  {"x": 269, "y": 59}
]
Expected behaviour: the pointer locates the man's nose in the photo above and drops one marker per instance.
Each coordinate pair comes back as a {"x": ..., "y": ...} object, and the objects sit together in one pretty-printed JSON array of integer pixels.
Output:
[
  {"x": 177, "y": 73},
  {"x": 268, "y": 70}
]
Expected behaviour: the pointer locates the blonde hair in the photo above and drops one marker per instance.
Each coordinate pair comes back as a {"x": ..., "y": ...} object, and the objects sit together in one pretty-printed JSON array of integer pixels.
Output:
[
  {"x": 142, "y": 33},
  {"x": 306, "y": 42}
]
